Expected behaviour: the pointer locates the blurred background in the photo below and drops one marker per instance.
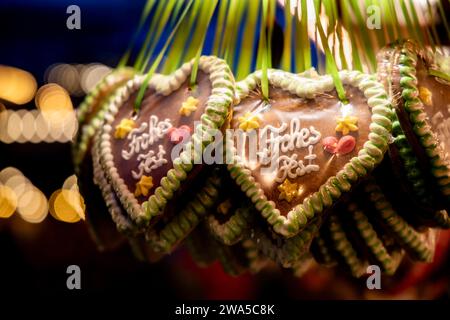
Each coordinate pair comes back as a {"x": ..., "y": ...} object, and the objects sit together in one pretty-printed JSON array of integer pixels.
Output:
[{"x": 36, "y": 250}]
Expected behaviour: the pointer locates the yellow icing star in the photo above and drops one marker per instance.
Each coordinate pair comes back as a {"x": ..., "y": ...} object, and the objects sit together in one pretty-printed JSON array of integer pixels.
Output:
[
  {"x": 143, "y": 186},
  {"x": 288, "y": 190},
  {"x": 426, "y": 96},
  {"x": 347, "y": 124},
  {"x": 189, "y": 106},
  {"x": 123, "y": 128},
  {"x": 224, "y": 207},
  {"x": 248, "y": 122}
]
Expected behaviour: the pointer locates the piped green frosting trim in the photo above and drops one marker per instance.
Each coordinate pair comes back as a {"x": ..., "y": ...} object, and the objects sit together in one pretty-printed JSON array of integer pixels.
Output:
[
  {"x": 187, "y": 220},
  {"x": 343, "y": 246},
  {"x": 286, "y": 252},
  {"x": 233, "y": 230},
  {"x": 406, "y": 236},
  {"x": 365, "y": 229}
]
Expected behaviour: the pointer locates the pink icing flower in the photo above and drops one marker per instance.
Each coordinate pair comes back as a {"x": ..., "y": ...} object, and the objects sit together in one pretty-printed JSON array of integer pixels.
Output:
[
  {"x": 330, "y": 144},
  {"x": 346, "y": 145},
  {"x": 180, "y": 134}
]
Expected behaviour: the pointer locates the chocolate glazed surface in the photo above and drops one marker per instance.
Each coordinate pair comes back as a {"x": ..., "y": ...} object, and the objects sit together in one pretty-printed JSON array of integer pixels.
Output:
[
  {"x": 164, "y": 107},
  {"x": 320, "y": 112}
]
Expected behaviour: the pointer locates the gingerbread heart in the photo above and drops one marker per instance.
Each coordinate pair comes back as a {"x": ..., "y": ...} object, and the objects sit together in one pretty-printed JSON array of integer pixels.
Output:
[
  {"x": 422, "y": 127},
  {"x": 278, "y": 160},
  {"x": 138, "y": 157}
]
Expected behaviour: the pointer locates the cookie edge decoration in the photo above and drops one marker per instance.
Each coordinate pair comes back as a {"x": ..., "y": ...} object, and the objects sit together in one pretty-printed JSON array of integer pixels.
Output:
[
  {"x": 402, "y": 231},
  {"x": 370, "y": 155},
  {"x": 233, "y": 230},
  {"x": 123, "y": 223},
  {"x": 216, "y": 111},
  {"x": 87, "y": 129},
  {"x": 180, "y": 226}
]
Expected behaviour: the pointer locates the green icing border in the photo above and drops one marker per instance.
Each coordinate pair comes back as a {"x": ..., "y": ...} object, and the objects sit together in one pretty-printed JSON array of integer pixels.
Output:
[
  {"x": 216, "y": 112},
  {"x": 122, "y": 221},
  {"x": 235, "y": 228},
  {"x": 405, "y": 235},
  {"x": 180, "y": 226},
  {"x": 388, "y": 262},
  {"x": 228, "y": 259},
  {"x": 343, "y": 246},
  {"x": 287, "y": 252},
  {"x": 87, "y": 130},
  {"x": 370, "y": 155},
  {"x": 256, "y": 262},
  {"x": 411, "y": 165},
  {"x": 199, "y": 245},
  {"x": 323, "y": 253}
]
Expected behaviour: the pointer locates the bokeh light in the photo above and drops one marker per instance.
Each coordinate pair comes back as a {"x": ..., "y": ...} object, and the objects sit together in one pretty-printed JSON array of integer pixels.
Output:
[
  {"x": 28, "y": 125},
  {"x": 42, "y": 128},
  {"x": 67, "y": 76},
  {"x": 92, "y": 74},
  {"x": 34, "y": 126},
  {"x": 14, "y": 125},
  {"x": 17, "y": 193},
  {"x": 16, "y": 85},
  {"x": 4, "y": 137},
  {"x": 53, "y": 101},
  {"x": 67, "y": 204},
  {"x": 21, "y": 114},
  {"x": 77, "y": 79},
  {"x": 8, "y": 201},
  {"x": 32, "y": 205}
]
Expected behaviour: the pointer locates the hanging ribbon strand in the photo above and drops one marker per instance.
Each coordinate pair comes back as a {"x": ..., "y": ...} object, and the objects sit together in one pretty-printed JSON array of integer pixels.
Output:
[
  {"x": 147, "y": 9},
  {"x": 157, "y": 61},
  {"x": 339, "y": 29},
  {"x": 263, "y": 51},
  {"x": 329, "y": 58},
  {"x": 206, "y": 15}
]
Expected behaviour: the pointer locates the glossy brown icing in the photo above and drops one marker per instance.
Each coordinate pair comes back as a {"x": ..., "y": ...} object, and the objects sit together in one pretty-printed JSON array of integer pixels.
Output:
[
  {"x": 164, "y": 107},
  {"x": 320, "y": 112}
]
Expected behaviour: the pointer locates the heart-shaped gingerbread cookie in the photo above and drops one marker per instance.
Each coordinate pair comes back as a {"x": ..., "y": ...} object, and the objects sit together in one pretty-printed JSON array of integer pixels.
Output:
[
  {"x": 422, "y": 129},
  {"x": 279, "y": 157},
  {"x": 146, "y": 165}
]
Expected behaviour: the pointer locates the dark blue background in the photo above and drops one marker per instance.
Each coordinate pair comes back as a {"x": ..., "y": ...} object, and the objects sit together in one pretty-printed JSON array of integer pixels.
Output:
[{"x": 33, "y": 33}]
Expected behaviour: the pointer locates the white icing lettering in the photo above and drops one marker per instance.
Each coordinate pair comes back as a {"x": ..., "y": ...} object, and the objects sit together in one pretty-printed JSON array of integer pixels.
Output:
[
  {"x": 149, "y": 162},
  {"x": 292, "y": 168},
  {"x": 273, "y": 141},
  {"x": 146, "y": 135}
]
